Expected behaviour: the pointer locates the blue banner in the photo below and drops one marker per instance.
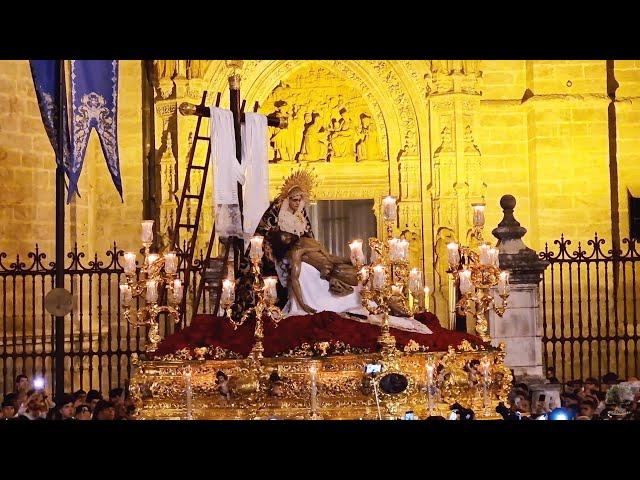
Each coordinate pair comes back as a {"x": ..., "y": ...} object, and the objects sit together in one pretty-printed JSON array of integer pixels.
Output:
[
  {"x": 94, "y": 96},
  {"x": 46, "y": 80}
]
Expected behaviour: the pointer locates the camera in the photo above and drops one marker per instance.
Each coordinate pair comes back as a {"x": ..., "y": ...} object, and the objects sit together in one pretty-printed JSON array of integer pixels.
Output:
[
  {"x": 409, "y": 415},
  {"x": 372, "y": 368}
]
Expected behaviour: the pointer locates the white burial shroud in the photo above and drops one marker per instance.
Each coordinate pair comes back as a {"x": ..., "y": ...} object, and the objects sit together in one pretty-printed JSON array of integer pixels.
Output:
[
  {"x": 316, "y": 294},
  {"x": 253, "y": 173}
]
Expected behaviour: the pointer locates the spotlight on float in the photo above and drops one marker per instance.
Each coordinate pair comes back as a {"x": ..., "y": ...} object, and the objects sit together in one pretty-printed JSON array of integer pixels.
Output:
[{"x": 561, "y": 414}]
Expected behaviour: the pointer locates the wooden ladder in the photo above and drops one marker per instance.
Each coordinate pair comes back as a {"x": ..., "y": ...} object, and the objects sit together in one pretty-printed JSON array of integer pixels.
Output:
[{"x": 214, "y": 269}]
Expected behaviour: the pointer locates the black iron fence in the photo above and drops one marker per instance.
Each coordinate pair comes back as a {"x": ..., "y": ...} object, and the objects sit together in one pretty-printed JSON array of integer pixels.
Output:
[
  {"x": 98, "y": 341},
  {"x": 590, "y": 305}
]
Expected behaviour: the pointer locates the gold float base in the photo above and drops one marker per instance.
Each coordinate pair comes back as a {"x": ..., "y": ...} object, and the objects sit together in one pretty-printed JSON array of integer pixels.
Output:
[{"x": 189, "y": 389}]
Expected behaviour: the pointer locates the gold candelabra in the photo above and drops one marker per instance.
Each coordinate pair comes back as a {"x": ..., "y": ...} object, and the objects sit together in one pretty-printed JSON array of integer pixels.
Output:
[
  {"x": 265, "y": 295},
  {"x": 387, "y": 281},
  {"x": 157, "y": 272},
  {"x": 476, "y": 270}
]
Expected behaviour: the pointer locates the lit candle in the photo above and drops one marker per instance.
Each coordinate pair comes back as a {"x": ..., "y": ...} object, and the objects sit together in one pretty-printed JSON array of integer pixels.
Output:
[
  {"x": 478, "y": 214},
  {"x": 313, "y": 370},
  {"x": 357, "y": 255},
  {"x": 228, "y": 292},
  {"x": 415, "y": 281},
  {"x": 177, "y": 290},
  {"x": 147, "y": 231},
  {"x": 484, "y": 254},
  {"x": 394, "y": 253},
  {"x": 125, "y": 295},
  {"x": 152, "y": 291},
  {"x": 454, "y": 255},
  {"x": 465, "y": 281},
  {"x": 503, "y": 283},
  {"x": 389, "y": 211},
  {"x": 129, "y": 263},
  {"x": 494, "y": 257},
  {"x": 364, "y": 275},
  {"x": 426, "y": 299},
  {"x": 256, "y": 247},
  {"x": 170, "y": 262},
  {"x": 152, "y": 258},
  {"x": 430, "y": 369},
  {"x": 485, "y": 366},
  {"x": 270, "y": 292},
  {"x": 378, "y": 276},
  {"x": 403, "y": 250}
]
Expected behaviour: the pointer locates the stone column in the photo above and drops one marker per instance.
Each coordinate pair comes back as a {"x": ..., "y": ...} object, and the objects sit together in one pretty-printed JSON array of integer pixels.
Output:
[{"x": 521, "y": 326}]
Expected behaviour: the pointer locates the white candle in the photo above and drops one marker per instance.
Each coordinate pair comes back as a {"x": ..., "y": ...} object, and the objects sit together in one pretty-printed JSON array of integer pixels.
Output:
[
  {"x": 228, "y": 292},
  {"x": 125, "y": 295},
  {"x": 503, "y": 283},
  {"x": 152, "y": 291},
  {"x": 378, "y": 276},
  {"x": 256, "y": 247},
  {"x": 389, "y": 211},
  {"x": 269, "y": 289},
  {"x": 364, "y": 275},
  {"x": 484, "y": 254},
  {"x": 313, "y": 370},
  {"x": 177, "y": 290},
  {"x": 415, "y": 281},
  {"x": 394, "y": 253},
  {"x": 430, "y": 369},
  {"x": 170, "y": 262},
  {"x": 454, "y": 255},
  {"x": 478, "y": 214},
  {"x": 357, "y": 255},
  {"x": 403, "y": 250},
  {"x": 129, "y": 263},
  {"x": 484, "y": 366},
  {"x": 147, "y": 231},
  {"x": 426, "y": 299},
  {"x": 465, "y": 281},
  {"x": 494, "y": 257},
  {"x": 152, "y": 258}
]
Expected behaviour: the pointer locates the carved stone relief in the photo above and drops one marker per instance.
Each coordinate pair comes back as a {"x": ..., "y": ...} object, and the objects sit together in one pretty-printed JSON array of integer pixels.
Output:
[{"x": 328, "y": 119}]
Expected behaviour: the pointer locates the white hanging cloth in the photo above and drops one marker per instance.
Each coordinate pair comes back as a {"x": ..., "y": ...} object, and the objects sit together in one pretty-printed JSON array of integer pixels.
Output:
[
  {"x": 255, "y": 194},
  {"x": 227, "y": 173}
]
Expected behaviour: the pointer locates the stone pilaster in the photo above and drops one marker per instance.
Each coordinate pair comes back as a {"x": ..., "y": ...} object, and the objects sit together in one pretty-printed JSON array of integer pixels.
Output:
[
  {"x": 521, "y": 326},
  {"x": 453, "y": 98}
]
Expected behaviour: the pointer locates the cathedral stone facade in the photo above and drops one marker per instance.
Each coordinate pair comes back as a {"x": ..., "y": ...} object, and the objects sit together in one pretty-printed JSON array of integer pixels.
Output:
[{"x": 561, "y": 136}]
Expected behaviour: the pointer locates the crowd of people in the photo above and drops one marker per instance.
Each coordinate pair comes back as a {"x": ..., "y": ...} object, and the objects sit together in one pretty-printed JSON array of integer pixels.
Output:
[
  {"x": 579, "y": 400},
  {"x": 31, "y": 401}
]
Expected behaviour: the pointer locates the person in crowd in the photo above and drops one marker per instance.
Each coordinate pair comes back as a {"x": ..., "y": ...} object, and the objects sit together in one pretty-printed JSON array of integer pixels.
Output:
[
  {"x": 608, "y": 380},
  {"x": 36, "y": 406},
  {"x": 79, "y": 398},
  {"x": 551, "y": 375},
  {"x": 104, "y": 410},
  {"x": 587, "y": 410},
  {"x": 8, "y": 408},
  {"x": 83, "y": 412},
  {"x": 63, "y": 409},
  {"x": 93, "y": 397},
  {"x": 116, "y": 396}
]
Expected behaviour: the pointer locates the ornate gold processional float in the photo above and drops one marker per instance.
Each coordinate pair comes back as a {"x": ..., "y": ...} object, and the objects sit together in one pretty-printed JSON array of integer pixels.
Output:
[
  {"x": 321, "y": 379},
  {"x": 313, "y": 383}
]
